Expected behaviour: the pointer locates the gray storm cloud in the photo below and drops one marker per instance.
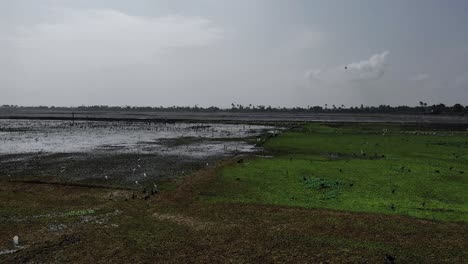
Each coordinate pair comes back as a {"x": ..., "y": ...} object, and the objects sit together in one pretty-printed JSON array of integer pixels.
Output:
[
  {"x": 462, "y": 80},
  {"x": 420, "y": 77},
  {"x": 177, "y": 52},
  {"x": 108, "y": 38}
]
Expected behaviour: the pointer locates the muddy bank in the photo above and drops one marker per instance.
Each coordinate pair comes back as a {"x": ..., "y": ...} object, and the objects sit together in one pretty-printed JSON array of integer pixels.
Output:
[{"x": 108, "y": 169}]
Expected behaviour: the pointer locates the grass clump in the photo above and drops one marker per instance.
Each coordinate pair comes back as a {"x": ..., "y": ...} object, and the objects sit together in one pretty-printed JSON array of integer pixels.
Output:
[{"x": 329, "y": 188}]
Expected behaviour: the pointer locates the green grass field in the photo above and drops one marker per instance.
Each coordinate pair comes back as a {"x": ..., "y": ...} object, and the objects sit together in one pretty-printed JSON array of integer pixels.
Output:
[{"x": 377, "y": 168}]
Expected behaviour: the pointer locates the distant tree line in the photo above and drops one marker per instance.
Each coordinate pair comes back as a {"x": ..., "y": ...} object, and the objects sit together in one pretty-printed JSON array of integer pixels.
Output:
[{"x": 422, "y": 108}]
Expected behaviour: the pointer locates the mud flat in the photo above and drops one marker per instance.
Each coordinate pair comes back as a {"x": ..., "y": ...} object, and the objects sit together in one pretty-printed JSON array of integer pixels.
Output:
[{"x": 120, "y": 152}]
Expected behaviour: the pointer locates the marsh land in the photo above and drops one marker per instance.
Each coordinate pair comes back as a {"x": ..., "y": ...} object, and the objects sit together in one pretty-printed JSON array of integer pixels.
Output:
[{"x": 296, "y": 192}]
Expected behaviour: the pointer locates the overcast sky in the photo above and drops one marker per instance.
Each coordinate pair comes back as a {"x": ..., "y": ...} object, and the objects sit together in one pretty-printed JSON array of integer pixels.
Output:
[{"x": 214, "y": 52}]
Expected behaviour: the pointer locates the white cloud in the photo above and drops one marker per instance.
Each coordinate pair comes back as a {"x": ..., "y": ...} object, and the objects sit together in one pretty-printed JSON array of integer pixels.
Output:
[
  {"x": 370, "y": 69},
  {"x": 374, "y": 63},
  {"x": 106, "y": 38},
  {"x": 420, "y": 77}
]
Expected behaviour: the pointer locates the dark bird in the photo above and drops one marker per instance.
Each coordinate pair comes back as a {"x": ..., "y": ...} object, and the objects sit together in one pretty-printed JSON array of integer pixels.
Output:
[{"x": 389, "y": 259}]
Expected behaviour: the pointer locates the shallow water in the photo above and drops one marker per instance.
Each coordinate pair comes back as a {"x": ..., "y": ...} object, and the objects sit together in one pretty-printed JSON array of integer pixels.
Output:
[{"x": 52, "y": 136}]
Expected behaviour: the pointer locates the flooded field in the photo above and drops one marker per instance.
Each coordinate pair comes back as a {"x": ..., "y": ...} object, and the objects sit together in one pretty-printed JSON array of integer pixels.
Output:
[
  {"x": 192, "y": 139},
  {"x": 118, "y": 151}
]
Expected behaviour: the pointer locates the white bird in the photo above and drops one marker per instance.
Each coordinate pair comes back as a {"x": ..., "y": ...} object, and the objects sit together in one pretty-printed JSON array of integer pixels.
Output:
[
  {"x": 144, "y": 174},
  {"x": 207, "y": 164},
  {"x": 134, "y": 171},
  {"x": 16, "y": 241},
  {"x": 136, "y": 182},
  {"x": 155, "y": 188},
  {"x": 105, "y": 177},
  {"x": 139, "y": 166}
]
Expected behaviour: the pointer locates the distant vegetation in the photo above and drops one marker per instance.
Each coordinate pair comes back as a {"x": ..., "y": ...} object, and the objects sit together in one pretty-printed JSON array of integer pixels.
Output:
[{"x": 422, "y": 108}]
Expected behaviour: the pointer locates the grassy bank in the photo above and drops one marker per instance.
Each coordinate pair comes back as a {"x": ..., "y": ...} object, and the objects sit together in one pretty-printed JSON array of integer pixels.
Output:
[{"x": 364, "y": 168}]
